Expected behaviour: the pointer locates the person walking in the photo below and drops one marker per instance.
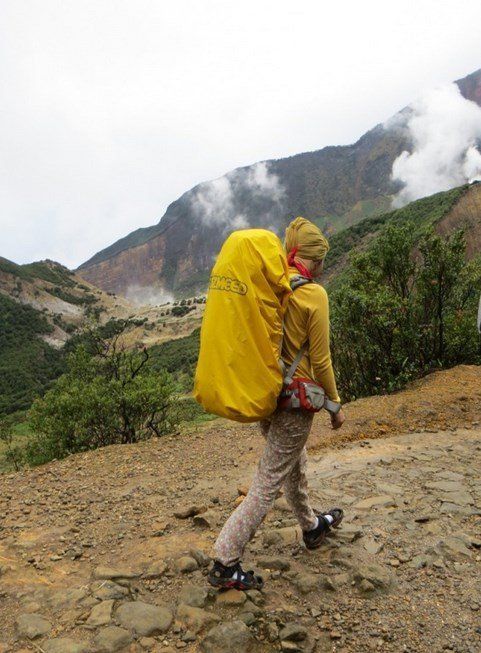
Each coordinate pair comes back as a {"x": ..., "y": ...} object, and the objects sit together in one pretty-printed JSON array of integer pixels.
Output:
[{"x": 284, "y": 460}]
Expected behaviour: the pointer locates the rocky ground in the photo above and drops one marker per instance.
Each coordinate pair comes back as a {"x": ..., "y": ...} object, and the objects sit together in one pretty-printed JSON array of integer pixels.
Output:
[{"x": 108, "y": 550}]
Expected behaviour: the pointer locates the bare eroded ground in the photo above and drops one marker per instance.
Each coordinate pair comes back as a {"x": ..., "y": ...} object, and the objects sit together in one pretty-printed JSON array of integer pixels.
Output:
[{"x": 403, "y": 573}]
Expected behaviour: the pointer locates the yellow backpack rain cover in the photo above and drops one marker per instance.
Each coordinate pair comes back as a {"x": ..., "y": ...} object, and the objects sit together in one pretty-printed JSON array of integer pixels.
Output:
[{"x": 238, "y": 374}]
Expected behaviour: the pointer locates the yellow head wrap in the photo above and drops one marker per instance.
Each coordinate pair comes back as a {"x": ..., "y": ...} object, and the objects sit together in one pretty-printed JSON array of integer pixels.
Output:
[{"x": 307, "y": 238}]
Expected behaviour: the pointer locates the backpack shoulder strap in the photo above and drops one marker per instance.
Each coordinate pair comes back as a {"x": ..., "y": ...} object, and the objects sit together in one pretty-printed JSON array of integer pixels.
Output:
[
  {"x": 296, "y": 281},
  {"x": 295, "y": 364}
]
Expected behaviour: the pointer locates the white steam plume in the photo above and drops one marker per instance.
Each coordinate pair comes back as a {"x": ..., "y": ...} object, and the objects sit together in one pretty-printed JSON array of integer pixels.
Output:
[
  {"x": 147, "y": 296},
  {"x": 215, "y": 201},
  {"x": 472, "y": 164},
  {"x": 445, "y": 130}
]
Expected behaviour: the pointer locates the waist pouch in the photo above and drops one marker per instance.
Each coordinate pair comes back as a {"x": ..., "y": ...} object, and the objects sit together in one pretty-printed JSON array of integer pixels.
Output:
[{"x": 302, "y": 393}]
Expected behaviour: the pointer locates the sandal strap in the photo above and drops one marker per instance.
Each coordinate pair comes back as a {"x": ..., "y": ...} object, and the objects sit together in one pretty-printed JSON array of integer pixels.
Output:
[
  {"x": 336, "y": 514},
  {"x": 245, "y": 575}
]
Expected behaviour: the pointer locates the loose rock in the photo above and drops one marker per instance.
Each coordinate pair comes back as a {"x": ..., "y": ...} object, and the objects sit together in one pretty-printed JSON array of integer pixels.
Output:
[
  {"x": 196, "y": 619},
  {"x": 228, "y": 637},
  {"x": 202, "y": 559},
  {"x": 189, "y": 511},
  {"x": 271, "y": 562},
  {"x": 32, "y": 626},
  {"x": 101, "y": 614},
  {"x": 194, "y": 596},
  {"x": 306, "y": 583},
  {"x": 186, "y": 564},
  {"x": 65, "y": 645},
  {"x": 231, "y": 597},
  {"x": 206, "y": 519},
  {"x": 112, "y": 639},
  {"x": 293, "y": 632},
  {"x": 144, "y": 618},
  {"x": 110, "y": 573},
  {"x": 383, "y": 500},
  {"x": 379, "y": 577}
]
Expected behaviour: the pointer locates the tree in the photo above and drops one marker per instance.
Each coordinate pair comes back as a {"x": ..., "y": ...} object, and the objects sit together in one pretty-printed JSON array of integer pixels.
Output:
[
  {"x": 443, "y": 260},
  {"x": 404, "y": 307},
  {"x": 107, "y": 396}
]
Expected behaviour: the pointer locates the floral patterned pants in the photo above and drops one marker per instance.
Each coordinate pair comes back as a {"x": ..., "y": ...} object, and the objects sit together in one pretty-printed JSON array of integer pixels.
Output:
[{"x": 283, "y": 463}]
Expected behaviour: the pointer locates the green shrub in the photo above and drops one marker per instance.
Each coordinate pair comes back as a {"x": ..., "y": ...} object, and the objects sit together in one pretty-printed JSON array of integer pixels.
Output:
[
  {"x": 112, "y": 397},
  {"x": 403, "y": 308},
  {"x": 183, "y": 309}
]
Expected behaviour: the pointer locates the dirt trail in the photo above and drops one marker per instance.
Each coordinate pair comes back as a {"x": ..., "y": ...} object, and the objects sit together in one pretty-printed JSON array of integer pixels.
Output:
[{"x": 402, "y": 574}]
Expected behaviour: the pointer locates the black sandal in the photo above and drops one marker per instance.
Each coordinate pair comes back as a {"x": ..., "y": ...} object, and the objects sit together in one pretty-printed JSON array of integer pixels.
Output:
[
  {"x": 315, "y": 537},
  {"x": 234, "y": 577}
]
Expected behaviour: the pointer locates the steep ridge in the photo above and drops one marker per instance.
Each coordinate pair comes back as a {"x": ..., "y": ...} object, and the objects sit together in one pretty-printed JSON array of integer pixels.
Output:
[
  {"x": 82, "y": 537},
  {"x": 459, "y": 208},
  {"x": 336, "y": 186}
]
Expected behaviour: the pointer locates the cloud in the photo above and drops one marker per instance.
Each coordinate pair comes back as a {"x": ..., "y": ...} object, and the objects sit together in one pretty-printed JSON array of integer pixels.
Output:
[
  {"x": 215, "y": 202},
  {"x": 445, "y": 131},
  {"x": 111, "y": 110}
]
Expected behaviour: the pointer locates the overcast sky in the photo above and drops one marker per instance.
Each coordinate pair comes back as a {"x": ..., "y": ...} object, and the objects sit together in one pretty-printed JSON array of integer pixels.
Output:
[{"x": 109, "y": 110}]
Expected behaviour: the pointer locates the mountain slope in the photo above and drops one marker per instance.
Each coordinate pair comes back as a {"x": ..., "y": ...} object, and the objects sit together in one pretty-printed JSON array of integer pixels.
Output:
[
  {"x": 41, "y": 305},
  {"x": 459, "y": 208},
  {"x": 64, "y": 299},
  {"x": 27, "y": 362},
  {"x": 335, "y": 186}
]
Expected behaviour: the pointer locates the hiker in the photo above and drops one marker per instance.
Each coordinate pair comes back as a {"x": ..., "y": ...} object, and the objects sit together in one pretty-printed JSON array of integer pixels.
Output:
[{"x": 284, "y": 460}]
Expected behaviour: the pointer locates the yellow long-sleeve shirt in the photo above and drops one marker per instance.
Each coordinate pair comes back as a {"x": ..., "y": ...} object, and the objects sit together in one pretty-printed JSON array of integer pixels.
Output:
[{"x": 307, "y": 318}]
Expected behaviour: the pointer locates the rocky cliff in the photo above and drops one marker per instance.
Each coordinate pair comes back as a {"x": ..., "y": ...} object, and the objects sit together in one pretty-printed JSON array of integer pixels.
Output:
[{"x": 335, "y": 186}]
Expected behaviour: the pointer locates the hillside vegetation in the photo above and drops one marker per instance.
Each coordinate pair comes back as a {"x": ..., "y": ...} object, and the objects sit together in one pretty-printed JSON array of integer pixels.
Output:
[
  {"x": 405, "y": 306},
  {"x": 27, "y": 363},
  {"x": 422, "y": 214},
  {"x": 41, "y": 305},
  {"x": 44, "y": 310},
  {"x": 404, "y": 289}
]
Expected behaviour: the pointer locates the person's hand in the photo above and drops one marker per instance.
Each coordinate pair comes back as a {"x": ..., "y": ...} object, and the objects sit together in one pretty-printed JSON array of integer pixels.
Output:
[{"x": 337, "y": 419}]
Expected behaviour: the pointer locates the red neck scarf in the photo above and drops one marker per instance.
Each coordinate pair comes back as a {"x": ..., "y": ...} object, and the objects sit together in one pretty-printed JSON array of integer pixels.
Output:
[{"x": 291, "y": 259}]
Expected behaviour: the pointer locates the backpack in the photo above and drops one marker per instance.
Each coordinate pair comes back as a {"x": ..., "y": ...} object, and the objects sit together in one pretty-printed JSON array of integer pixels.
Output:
[{"x": 238, "y": 374}]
